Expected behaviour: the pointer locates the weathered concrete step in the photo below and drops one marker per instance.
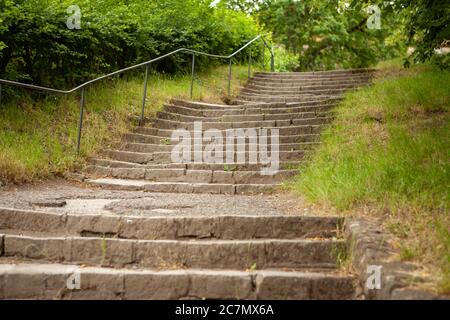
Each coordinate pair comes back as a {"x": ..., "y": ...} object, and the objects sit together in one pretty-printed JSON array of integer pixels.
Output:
[
  {"x": 303, "y": 77},
  {"x": 242, "y": 118},
  {"x": 325, "y": 72},
  {"x": 173, "y": 124},
  {"x": 283, "y": 131},
  {"x": 191, "y": 176},
  {"x": 166, "y": 157},
  {"x": 301, "y": 88},
  {"x": 182, "y": 187},
  {"x": 153, "y": 139},
  {"x": 268, "y": 84},
  {"x": 175, "y": 254},
  {"x": 50, "y": 281},
  {"x": 125, "y": 226},
  {"x": 294, "y": 93},
  {"x": 264, "y": 98},
  {"x": 284, "y": 165},
  {"x": 317, "y": 106},
  {"x": 222, "y": 107},
  {"x": 149, "y": 148}
]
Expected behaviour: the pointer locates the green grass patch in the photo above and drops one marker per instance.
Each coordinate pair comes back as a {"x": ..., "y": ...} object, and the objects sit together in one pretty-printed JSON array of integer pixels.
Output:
[
  {"x": 388, "y": 148},
  {"x": 38, "y": 136}
]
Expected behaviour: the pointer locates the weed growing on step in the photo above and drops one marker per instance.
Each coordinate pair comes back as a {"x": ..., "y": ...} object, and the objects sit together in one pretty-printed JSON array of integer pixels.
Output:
[{"x": 388, "y": 151}]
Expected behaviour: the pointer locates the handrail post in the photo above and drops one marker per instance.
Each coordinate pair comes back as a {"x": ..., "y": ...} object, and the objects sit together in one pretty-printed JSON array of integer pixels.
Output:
[
  {"x": 249, "y": 63},
  {"x": 264, "y": 56},
  {"x": 192, "y": 75},
  {"x": 141, "y": 122},
  {"x": 229, "y": 77},
  {"x": 272, "y": 61},
  {"x": 80, "y": 124}
]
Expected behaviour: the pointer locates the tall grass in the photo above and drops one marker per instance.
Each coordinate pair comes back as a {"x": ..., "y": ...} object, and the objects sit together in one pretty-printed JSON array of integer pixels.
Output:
[
  {"x": 388, "y": 149},
  {"x": 38, "y": 136}
]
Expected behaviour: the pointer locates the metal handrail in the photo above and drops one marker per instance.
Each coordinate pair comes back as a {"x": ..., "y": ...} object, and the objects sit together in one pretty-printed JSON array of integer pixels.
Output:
[{"x": 146, "y": 65}]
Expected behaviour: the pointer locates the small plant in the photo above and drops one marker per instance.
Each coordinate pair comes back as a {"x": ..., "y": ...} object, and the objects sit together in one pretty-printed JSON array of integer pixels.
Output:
[
  {"x": 166, "y": 142},
  {"x": 103, "y": 247},
  {"x": 252, "y": 268},
  {"x": 228, "y": 168}
]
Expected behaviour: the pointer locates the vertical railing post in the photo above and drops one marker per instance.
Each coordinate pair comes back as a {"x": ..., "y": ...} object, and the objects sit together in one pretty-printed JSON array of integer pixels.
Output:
[
  {"x": 229, "y": 77},
  {"x": 272, "y": 61},
  {"x": 141, "y": 122},
  {"x": 192, "y": 75},
  {"x": 80, "y": 123},
  {"x": 249, "y": 63},
  {"x": 0, "y": 94},
  {"x": 264, "y": 57}
]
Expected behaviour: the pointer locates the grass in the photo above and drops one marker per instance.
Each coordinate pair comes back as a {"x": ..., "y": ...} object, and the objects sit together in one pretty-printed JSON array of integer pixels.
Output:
[
  {"x": 388, "y": 150},
  {"x": 38, "y": 136}
]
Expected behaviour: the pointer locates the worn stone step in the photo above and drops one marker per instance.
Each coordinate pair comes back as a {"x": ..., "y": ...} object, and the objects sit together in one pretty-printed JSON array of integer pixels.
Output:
[
  {"x": 293, "y": 76},
  {"x": 294, "y": 93},
  {"x": 319, "y": 106},
  {"x": 149, "y": 148},
  {"x": 183, "y": 187},
  {"x": 284, "y": 165},
  {"x": 255, "y": 105},
  {"x": 173, "y": 124},
  {"x": 164, "y": 227},
  {"x": 191, "y": 176},
  {"x": 50, "y": 281},
  {"x": 283, "y": 131},
  {"x": 175, "y": 254},
  {"x": 242, "y": 118},
  {"x": 319, "y": 72},
  {"x": 283, "y": 99},
  {"x": 274, "y": 85},
  {"x": 152, "y": 139},
  {"x": 300, "y": 88},
  {"x": 167, "y": 157}
]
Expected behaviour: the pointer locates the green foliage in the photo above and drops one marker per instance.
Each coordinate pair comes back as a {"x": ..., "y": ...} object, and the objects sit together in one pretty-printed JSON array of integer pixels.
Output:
[
  {"x": 36, "y": 45},
  {"x": 329, "y": 34},
  {"x": 427, "y": 26}
]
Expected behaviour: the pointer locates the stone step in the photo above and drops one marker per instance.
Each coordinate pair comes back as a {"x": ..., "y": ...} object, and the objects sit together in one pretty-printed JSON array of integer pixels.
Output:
[
  {"x": 159, "y": 123},
  {"x": 326, "y": 72},
  {"x": 191, "y": 176},
  {"x": 294, "y": 93},
  {"x": 303, "y": 77},
  {"x": 319, "y": 106},
  {"x": 284, "y": 165},
  {"x": 283, "y": 131},
  {"x": 242, "y": 118},
  {"x": 175, "y": 254},
  {"x": 183, "y": 187},
  {"x": 166, "y": 157},
  {"x": 150, "y": 148},
  {"x": 153, "y": 139},
  {"x": 267, "y": 84},
  {"x": 301, "y": 88},
  {"x": 21, "y": 280},
  {"x": 255, "y": 105},
  {"x": 286, "y": 99},
  {"x": 164, "y": 227}
]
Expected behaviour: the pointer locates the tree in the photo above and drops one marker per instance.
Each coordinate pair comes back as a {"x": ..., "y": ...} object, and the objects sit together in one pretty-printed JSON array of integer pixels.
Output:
[{"x": 325, "y": 34}]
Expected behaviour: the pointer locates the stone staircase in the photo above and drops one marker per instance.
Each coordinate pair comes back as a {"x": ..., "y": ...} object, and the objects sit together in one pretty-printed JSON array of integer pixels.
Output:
[
  {"x": 57, "y": 254},
  {"x": 296, "y": 104},
  {"x": 130, "y": 257}
]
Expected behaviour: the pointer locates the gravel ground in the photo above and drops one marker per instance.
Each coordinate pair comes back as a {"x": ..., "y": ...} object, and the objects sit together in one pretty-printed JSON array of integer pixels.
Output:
[{"x": 63, "y": 196}]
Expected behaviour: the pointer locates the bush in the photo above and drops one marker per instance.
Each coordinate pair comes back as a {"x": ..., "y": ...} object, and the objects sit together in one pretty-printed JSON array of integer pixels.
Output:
[{"x": 36, "y": 45}]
